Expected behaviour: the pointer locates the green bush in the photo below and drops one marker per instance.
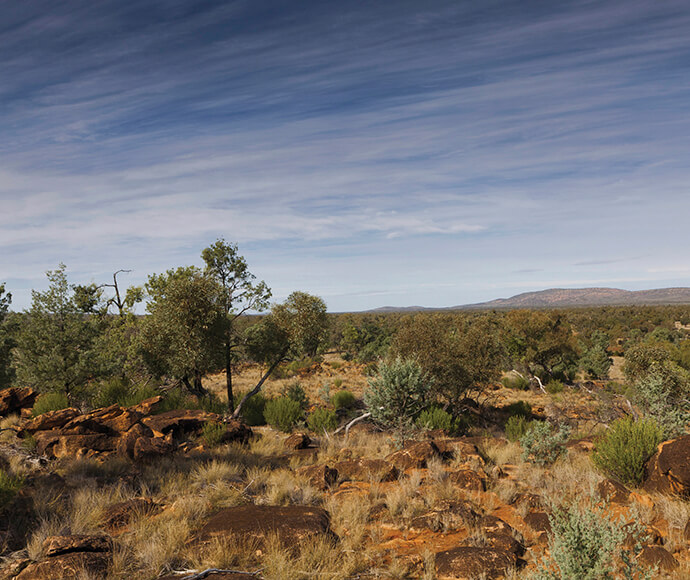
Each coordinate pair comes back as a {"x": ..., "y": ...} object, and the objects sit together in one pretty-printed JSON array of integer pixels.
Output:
[
  {"x": 212, "y": 433},
  {"x": 626, "y": 447},
  {"x": 253, "y": 409},
  {"x": 337, "y": 382},
  {"x": 9, "y": 486},
  {"x": 541, "y": 445},
  {"x": 322, "y": 420},
  {"x": 50, "y": 402},
  {"x": 585, "y": 544},
  {"x": 343, "y": 400},
  {"x": 522, "y": 408},
  {"x": 283, "y": 413},
  {"x": 296, "y": 392},
  {"x": 513, "y": 381},
  {"x": 118, "y": 391},
  {"x": 516, "y": 427},
  {"x": 436, "y": 418},
  {"x": 554, "y": 387},
  {"x": 660, "y": 399}
]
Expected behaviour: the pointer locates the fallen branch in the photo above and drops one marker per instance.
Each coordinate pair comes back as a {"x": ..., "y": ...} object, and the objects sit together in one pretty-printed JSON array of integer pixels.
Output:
[
  {"x": 206, "y": 573},
  {"x": 351, "y": 423}
]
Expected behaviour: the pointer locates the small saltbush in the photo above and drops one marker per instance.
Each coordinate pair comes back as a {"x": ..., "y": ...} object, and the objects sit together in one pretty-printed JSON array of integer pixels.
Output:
[
  {"x": 212, "y": 433},
  {"x": 283, "y": 413},
  {"x": 436, "y": 418},
  {"x": 541, "y": 445},
  {"x": 585, "y": 544},
  {"x": 626, "y": 447},
  {"x": 9, "y": 486},
  {"x": 521, "y": 408},
  {"x": 50, "y": 402},
  {"x": 343, "y": 400},
  {"x": 253, "y": 409},
  {"x": 513, "y": 381},
  {"x": 554, "y": 387},
  {"x": 516, "y": 427},
  {"x": 322, "y": 420}
]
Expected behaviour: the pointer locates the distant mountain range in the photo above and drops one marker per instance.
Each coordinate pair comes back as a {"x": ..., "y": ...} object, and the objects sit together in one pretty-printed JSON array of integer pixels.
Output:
[{"x": 570, "y": 297}]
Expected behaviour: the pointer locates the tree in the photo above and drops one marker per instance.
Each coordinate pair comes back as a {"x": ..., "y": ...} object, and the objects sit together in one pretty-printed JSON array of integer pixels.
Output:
[
  {"x": 183, "y": 335},
  {"x": 240, "y": 294},
  {"x": 462, "y": 357},
  {"x": 6, "y": 339},
  {"x": 541, "y": 344},
  {"x": 54, "y": 343},
  {"x": 292, "y": 330},
  {"x": 595, "y": 360}
]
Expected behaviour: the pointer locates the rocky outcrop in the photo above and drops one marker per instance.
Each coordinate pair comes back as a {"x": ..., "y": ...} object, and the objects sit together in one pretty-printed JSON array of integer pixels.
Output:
[
  {"x": 14, "y": 399},
  {"x": 320, "y": 476},
  {"x": 469, "y": 562},
  {"x": 297, "y": 441},
  {"x": 668, "y": 471},
  {"x": 467, "y": 479},
  {"x": 414, "y": 455},
  {"x": 366, "y": 470},
  {"x": 117, "y": 517}
]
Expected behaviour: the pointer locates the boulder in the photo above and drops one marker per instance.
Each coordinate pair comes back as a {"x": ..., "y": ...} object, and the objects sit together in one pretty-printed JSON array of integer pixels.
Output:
[
  {"x": 50, "y": 420},
  {"x": 538, "y": 521},
  {"x": 292, "y": 524},
  {"x": 458, "y": 448},
  {"x": 320, "y": 476},
  {"x": 148, "y": 406},
  {"x": 113, "y": 420},
  {"x": 366, "y": 470},
  {"x": 659, "y": 557},
  {"x": 414, "y": 456},
  {"x": 613, "y": 492},
  {"x": 125, "y": 444},
  {"x": 469, "y": 562},
  {"x": 668, "y": 471},
  {"x": 149, "y": 448},
  {"x": 236, "y": 432},
  {"x": 118, "y": 516},
  {"x": 467, "y": 479},
  {"x": 86, "y": 445},
  {"x": 14, "y": 399},
  {"x": 449, "y": 516},
  {"x": 180, "y": 421},
  {"x": 297, "y": 441}
]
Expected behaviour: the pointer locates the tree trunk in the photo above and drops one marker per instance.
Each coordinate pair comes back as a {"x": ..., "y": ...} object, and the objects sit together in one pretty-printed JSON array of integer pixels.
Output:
[
  {"x": 260, "y": 384},
  {"x": 228, "y": 377}
]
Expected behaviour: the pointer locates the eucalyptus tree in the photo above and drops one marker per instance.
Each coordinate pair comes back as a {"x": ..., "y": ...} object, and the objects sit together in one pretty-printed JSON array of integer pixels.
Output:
[
  {"x": 239, "y": 294},
  {"x": 6, "y": 339}
]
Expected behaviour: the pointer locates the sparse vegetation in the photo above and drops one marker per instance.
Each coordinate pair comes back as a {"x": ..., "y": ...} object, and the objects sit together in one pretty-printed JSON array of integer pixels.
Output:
[
  {"x": 283, "y": 413},
  {"x": 541, "y": 444}
]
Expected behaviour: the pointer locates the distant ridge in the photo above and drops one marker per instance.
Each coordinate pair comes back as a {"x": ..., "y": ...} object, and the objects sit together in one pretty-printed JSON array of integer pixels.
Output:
[{"x": 571, "y": 297}]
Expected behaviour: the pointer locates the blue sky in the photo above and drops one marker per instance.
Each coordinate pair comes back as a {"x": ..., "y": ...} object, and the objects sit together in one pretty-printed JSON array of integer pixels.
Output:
[{"x": 373, "y": 153}]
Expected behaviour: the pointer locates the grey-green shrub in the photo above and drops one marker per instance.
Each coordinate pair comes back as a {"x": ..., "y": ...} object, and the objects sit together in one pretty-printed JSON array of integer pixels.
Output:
[
  {"x": 322, "y": 420},
  {"x": 436, "y": 418},
  {"x": 585, "y": 544},
  {"x": 541, "y": 444},
  {"x": 50, "y": 402},
  {"x": 343, "y": 400},
  {"x": 282, "y": 413},
  {"x": 513, "y": 381},
  {"x": 626, "y": 447},
  {"x": 659, "y": 398},
  {"x": 516, "y": 427}
]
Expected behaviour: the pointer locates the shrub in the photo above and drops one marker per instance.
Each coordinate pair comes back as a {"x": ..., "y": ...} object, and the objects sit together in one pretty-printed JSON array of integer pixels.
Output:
[
  {"x": 584, "y": 544},
  {"x": 659, "y": 398},
  {"x": 50, "y": 402},
  {"x": 253, "y": 409},
  {"x": 398, "y": 393},
  {"x": 436, "y": 418},
  {"x": 343, "y": 400},
  {"x": 296, "y": 392},
  {"x": 283, "y": 413},
  {"x": 513, "y": 381},
  {"x": 541, "y": 445},
  {"x": 554, "y": 387},
  {"x": 626, "y": 447},
  {"x": 337, "y": 382},
  {"x": 516, "y": 427},
  {"x": 522, "y": 408},
  {"x": 212, "y": 433},
  {"x": 322, "y": 420},
  {"x": 9, "y": 486}
]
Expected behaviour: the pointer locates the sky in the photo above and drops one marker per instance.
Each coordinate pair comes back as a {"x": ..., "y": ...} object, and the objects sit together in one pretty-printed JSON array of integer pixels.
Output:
[{"x": 377, "y": 153}]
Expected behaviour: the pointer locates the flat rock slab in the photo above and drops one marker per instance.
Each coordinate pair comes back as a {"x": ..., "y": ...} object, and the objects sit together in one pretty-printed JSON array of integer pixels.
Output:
[
  {"x": 14, "y": 399},
  {"x": 468, "y": 562},
  {"x": 67, "y": 567},
  {"x": 668, "y": 471},
  {"x": 291, "y": 523},
  {"x": 366, "y": 470},
  {"x": 180, "y": 421}
]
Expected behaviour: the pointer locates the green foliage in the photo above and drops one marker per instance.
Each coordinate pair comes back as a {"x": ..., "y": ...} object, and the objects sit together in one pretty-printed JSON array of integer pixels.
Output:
[
  {"x": 296, "y": 392},
  {"x": 49, "y": 402},
  {"x": 322, "y": 420},
  {"x": 343, "y": 400},
  {"x": 436, "y": 418},
  {"x": 253, "y": 409},
  {"x": 595, "y": 361},
  {"x": 283, "y": 413},
  {"x": 54, "y": 343},
  {"x": 366, "y": 339},
  {"x": 585, "y": 544},
  {"x": 212, "y": 433},
  {"x": 461, "y": 356},
  {"x": 398, "y": 393},
  {"x": 541, "y": 445},
  {"x": 120, "y": 391},
  {"x": 7, "y": 341},
  {"x": 553, "y": 387},
  {"x": 337, "y": 382},
  {"x": 9, "y": 486},
  {"x": 522, "y": 408},
  {"x": 626, "y": 447},
  {"x": 514, "y": 381},
  {"x": 516, "y": 427},
  {"x": 304, "y": 319}
]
